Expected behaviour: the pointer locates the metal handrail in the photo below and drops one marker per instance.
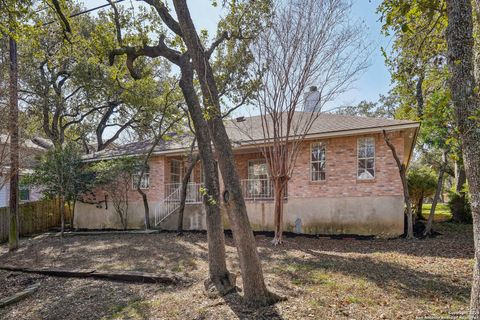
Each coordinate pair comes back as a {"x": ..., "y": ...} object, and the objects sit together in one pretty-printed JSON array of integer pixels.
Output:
[{"x": 172, "y": 202}]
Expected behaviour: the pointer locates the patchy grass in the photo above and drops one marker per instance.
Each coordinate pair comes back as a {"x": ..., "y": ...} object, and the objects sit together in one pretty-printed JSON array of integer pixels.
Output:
[
  {"x": 442, "y": 212},
  {"x": 322, "y": 278}
]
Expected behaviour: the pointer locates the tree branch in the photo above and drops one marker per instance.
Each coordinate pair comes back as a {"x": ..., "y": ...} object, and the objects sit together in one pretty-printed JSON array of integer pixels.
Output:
[
  {"x": 165, "y": 15},
  {"x": 216, "y": 43},
  {"x": 160, "y": 50}
]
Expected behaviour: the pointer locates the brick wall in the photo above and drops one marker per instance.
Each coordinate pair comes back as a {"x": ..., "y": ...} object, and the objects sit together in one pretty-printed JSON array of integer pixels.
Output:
[{"x": 341, "y": 169}]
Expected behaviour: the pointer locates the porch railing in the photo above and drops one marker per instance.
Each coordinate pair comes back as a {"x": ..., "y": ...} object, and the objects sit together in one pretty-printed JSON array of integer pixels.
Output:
[
  {"x": 193, "y": 191},
  {"x": 171, "y": 202},
  {"x": 257, "y": 189}
]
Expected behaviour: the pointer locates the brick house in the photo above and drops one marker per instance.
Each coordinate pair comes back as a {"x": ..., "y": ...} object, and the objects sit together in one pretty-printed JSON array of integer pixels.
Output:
[{"x": 345, "y": 180}]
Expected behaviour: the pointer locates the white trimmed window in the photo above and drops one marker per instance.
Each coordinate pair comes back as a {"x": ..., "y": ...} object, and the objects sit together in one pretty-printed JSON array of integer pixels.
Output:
[
  {"x": 175, "y": 171},
  {"x": 258, "y": 179},
  {"x": 318, "y": 161},
  {"x": 145, "y": 182},
  {"x": 366, "y": 158}
]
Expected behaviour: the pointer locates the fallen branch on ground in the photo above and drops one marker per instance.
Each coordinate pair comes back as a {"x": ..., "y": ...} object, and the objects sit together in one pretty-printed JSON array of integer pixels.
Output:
[
  {"x": 19, "y": 295},
  {"x": 124, "y": 276}
]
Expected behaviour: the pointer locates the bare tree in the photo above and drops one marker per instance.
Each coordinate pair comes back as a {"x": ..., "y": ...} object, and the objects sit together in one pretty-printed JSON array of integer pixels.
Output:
[
  {"x": 169, "y": 118},
  {"x": 308, "y": 43},
  {"x": 193, "y": 159},
  {"x": 119, "y": 190},
  {"x": 402, "y": 170},
  {"x": 438, "y": 191}
]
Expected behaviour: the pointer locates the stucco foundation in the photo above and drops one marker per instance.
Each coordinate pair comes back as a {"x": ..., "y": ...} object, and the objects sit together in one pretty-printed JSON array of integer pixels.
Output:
[
  {"x": 89, "y": 216},
  {"x": 380, "y": 216}
]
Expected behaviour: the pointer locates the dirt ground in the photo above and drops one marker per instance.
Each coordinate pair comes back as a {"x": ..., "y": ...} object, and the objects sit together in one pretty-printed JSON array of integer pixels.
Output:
[{"x": 322, "y": 278}]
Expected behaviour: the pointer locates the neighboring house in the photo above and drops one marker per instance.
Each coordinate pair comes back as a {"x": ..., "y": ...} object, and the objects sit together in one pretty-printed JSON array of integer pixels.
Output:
[
  {"x": 28, "y": 153},
  {"x": 346, "y": 180}
]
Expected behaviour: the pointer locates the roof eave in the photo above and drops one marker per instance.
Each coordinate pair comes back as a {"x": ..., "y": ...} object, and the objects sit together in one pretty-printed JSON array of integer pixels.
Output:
[{"x": 250, "y": 143}]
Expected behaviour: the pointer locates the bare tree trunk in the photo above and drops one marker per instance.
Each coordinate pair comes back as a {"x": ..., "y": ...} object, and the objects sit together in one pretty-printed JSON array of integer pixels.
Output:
[
  {"x": 219, "y": 277},
  {"x": 438, "y": 192},
  {"x": 403, "y": 176},
  {"x": 278, "y": 210},
  {"x": 146, "y": 207},
  {"x": 183, "y": 194},
  {"x": 255, "y": 290},
  {"x": 463, "y": 87},
  {"x": 72, "y": 213},
  {"x": 14, "y": 149},
  {"x": 69, "y": 205},
  {"x": 419, "y": 210},
  {"x": 61, "y": 204}
]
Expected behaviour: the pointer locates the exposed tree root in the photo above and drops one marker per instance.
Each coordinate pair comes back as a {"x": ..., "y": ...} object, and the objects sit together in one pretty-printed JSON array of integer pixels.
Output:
[
  {"x": 220, "y": 286},
  {"x": 269, "y": 299}
]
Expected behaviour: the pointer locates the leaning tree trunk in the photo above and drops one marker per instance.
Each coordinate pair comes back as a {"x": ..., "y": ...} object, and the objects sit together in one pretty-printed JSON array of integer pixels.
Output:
[
  {"x": 255, "y": 290},
  {"x": 403, "y": 176},
  {"x": 183, "y": 192},
  {"x": 438, "y": 192},
  {"x": 463, "y": 87},
  {"x": 219, "y": 277},
  {"x": 14, "y": 148}
]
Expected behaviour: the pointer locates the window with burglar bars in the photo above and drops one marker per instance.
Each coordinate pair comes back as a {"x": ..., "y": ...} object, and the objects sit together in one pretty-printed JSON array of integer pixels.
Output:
[
  {"x": 318, "y": 160},
  {"x": 366, "y": 158}
]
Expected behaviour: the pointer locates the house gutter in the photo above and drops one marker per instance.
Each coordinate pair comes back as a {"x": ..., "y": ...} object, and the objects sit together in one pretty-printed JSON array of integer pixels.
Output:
[{"x": 414, "y": 141}]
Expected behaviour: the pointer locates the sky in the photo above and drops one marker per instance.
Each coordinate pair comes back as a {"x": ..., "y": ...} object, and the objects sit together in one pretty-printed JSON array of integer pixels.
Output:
[{"x": 375, "y": 80}]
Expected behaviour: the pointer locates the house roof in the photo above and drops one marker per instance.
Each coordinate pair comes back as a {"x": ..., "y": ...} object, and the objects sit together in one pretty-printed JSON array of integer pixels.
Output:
[
  {"x": 244, "y": 132},
  {"x": 175, "y": 143},
  {"x": 323, "y": 124}
]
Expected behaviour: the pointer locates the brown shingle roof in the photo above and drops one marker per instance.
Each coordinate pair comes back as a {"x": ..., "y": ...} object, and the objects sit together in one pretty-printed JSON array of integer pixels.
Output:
[
  {"x": 251, "y": 128},
  {"x": 141, "y": 147}
]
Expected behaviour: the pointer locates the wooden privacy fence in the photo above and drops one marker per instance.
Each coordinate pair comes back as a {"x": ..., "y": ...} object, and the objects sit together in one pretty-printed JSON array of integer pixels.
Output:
[{"x": 35, "y": 217}]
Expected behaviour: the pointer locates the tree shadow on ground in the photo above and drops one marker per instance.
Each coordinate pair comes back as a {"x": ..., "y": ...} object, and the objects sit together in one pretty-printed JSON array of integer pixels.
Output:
[
  {"x": 152, "y": 253},
  {"x": 455, "y": 242},
  {"x": 389, "y": 276},
  {"x": 236, "y": 303},
  {"x": 59, "y": 298}
]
